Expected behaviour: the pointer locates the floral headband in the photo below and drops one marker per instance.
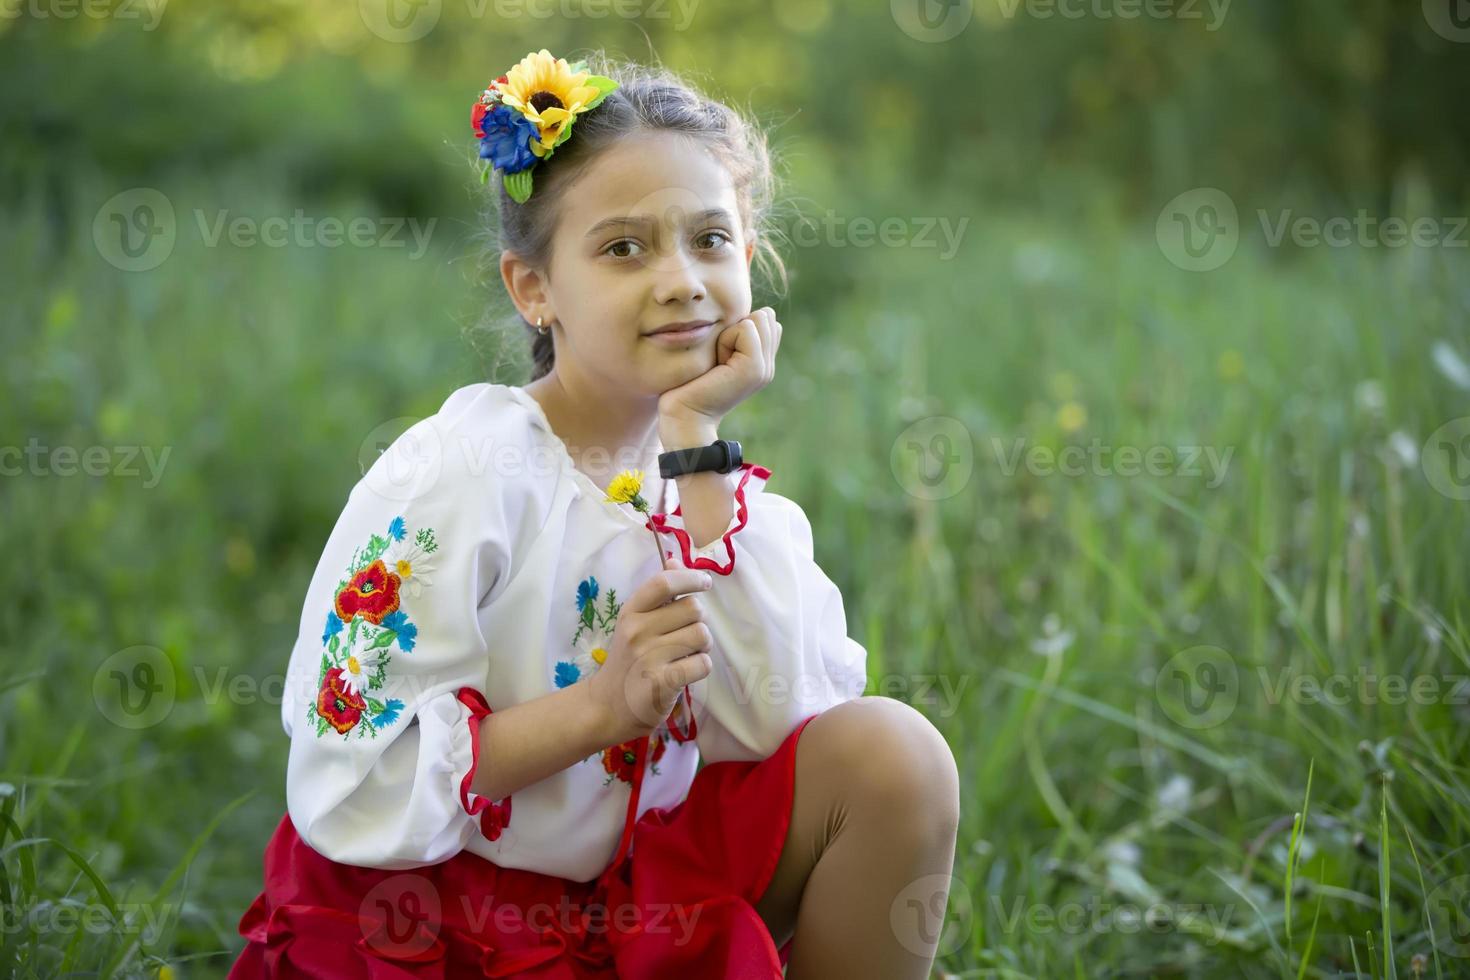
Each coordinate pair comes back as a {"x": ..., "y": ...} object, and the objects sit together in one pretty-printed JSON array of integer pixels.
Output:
[{"x": 528, "y": 112}]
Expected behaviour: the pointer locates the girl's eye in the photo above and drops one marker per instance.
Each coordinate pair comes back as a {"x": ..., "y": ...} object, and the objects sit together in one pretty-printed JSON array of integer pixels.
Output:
[
  {"x": 626, "y": 242},
  {"x": 719, "y": 236}
]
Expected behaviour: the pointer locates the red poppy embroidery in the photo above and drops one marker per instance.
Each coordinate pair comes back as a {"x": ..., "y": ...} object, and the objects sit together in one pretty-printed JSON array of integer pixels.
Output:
[
  {"x": 340, "y": 707},
  {"x": 371, "y": 593},
  {"x": 364, "y": 628},
  {"x": 621, "y": 761}
]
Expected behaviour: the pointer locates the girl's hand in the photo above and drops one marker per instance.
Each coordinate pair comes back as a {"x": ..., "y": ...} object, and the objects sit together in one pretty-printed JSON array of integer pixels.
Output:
[
  {"x": 659, "y": 645},
  {"x": 745, "y": 362}
]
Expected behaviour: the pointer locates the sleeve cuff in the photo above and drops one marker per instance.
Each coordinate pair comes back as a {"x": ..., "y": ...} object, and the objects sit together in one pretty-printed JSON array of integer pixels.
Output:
[
  {"x": 719, "y": 555},
  {"x": 494, "y": 815}
]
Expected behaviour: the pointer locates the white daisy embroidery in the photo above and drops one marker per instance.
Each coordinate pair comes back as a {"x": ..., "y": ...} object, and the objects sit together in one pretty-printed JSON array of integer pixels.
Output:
[
  {"x": 358, "y": 665},
  {"x": 413, "y": 565}
]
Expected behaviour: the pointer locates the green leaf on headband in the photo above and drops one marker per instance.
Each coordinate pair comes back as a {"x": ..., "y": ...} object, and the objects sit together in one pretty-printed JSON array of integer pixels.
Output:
[
  {"x": 603, "y": 85},
  {"x": 485, "y": 173},
  {"x": 518, "y": 186}
]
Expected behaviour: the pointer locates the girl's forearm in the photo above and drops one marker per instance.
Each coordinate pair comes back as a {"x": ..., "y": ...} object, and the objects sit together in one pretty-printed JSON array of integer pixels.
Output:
[
  {"x": 528, "y": 742},
  {"x": 706, "y": 500}
]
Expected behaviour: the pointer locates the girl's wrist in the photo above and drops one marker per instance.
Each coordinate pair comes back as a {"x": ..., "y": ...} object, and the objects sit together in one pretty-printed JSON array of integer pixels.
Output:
[{"x": 687, "y": 433}]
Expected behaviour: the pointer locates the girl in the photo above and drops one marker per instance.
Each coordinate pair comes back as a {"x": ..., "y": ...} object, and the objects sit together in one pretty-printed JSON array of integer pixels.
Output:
[{"x": 498, "y": 702}]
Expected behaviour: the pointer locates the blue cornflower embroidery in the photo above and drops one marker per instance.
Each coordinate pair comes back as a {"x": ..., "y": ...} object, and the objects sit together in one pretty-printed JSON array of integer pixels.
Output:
[
  {"x": 396, "y": 529},
  {"x": 397, "y": 621},
  {"x": 586, "y": 592},
  {"x": 334, "y": 626},
  {"x": 567, "y": 673},
  {"x": 389, "y": 714}
]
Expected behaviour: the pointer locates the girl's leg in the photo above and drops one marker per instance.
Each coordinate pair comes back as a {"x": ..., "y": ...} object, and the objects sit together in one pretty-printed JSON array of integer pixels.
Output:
[{"x": 876, "y": 810}]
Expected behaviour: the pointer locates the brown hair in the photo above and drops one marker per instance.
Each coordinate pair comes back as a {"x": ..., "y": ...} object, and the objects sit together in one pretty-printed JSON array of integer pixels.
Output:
[{"x": 648, "y": 98}]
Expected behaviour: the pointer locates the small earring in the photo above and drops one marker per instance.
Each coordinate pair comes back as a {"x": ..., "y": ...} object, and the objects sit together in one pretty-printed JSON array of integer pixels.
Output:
[{"x": 539, "y": 327}]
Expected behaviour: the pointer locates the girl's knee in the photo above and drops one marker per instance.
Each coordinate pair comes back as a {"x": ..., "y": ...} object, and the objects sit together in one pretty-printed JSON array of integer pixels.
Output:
[{"x": 890, "y": 754}]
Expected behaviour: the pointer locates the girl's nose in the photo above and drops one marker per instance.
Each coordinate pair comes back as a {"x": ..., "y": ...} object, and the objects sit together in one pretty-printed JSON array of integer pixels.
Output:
[{"x": 677, "y": 278}]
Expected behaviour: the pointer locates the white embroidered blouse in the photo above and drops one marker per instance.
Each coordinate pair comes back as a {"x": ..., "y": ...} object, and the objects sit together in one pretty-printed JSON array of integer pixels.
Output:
[{"x": 473, "y": 568}]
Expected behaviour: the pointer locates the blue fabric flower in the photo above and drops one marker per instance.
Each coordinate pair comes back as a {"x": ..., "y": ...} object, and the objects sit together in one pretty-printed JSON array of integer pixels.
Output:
[
  {"x": 507, "y": 140},
  {"x": 586, "y": 592},
  {"x": 566, "y": 673},
  {"x": 397, "y": 621},
  {"x": 389, "y": 714},
  {"x": 396, "y": 529},
  {"x": 334, "y": 626}
]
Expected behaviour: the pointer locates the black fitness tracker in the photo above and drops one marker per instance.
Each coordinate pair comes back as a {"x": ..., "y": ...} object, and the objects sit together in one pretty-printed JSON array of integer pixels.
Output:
[{"x": 721, "y": 456}]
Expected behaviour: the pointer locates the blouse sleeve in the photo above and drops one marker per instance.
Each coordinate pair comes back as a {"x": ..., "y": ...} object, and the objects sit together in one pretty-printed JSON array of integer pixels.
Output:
[
  {"x": 781, "y": 649},
  {"x": 385, "y": 684}
]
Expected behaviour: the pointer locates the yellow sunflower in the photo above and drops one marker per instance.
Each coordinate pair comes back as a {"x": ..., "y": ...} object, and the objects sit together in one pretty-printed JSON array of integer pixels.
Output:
[{"x": 549, "y": 93}]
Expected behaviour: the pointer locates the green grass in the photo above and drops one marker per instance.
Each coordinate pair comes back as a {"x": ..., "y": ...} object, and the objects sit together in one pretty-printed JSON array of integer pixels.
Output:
[{"x": 1322, "y": 551}]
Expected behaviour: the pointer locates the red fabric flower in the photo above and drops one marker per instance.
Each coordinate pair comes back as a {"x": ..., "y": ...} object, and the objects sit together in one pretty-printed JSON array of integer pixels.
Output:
[
  {"x": 339, "y": 706},
  {"x": 373, "y": 592},
  {"x": 477, "y": 119}
]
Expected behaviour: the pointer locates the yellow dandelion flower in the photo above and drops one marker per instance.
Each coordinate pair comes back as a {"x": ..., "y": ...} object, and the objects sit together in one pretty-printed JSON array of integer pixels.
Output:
[{"x": 626, "y": 488}]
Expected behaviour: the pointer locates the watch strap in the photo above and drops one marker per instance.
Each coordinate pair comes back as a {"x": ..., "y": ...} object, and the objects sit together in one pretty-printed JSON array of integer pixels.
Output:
[{"x": 720, "y": 456}]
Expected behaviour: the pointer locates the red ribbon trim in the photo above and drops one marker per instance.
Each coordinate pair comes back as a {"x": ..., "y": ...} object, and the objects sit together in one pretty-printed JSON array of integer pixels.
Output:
[
  {"x": 659, "y": 524},
  {"x": 493, "y": 816}
]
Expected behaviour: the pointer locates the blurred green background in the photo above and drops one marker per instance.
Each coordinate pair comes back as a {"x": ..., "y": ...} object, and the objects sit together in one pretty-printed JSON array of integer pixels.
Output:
[{"x": 1140, "y": 669}]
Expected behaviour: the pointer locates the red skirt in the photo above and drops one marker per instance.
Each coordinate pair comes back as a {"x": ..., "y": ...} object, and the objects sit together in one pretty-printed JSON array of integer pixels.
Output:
[{"x": 681, "y": 905}]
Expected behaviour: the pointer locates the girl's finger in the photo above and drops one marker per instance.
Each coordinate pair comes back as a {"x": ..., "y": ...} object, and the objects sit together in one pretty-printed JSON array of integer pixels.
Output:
[{"x": 754, "y": 348}]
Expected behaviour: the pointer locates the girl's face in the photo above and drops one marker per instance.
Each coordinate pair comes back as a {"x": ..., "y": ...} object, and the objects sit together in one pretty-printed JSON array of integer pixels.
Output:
[{"x": 649, "y": 235}]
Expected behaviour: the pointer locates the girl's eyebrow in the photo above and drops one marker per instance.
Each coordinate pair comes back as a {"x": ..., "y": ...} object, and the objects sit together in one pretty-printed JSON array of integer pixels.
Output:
[{"x": 709, "y": 214}]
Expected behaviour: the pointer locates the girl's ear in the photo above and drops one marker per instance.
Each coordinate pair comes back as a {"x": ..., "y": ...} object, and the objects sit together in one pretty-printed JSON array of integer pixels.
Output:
[
  {"x": 526, "y": 287},
  {"x": 749, "y": 253}
]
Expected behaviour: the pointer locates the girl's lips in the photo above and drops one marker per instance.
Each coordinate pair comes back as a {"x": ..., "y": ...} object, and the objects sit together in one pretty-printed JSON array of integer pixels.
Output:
[{"x": 674, "y": 338}]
